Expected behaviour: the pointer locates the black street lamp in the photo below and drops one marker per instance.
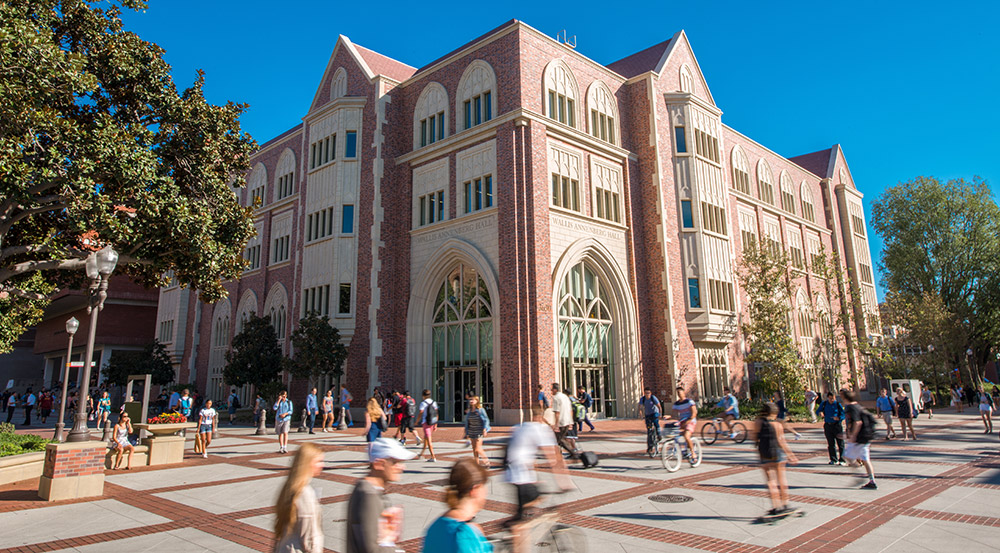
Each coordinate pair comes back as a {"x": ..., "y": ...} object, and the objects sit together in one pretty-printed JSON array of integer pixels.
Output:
[{"x": 71, "y": 327}]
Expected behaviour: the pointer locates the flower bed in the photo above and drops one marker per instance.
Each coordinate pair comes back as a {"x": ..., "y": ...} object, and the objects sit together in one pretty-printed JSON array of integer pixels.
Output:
[
  {"x": 167, "y": 418},
  {"x": 16, "y": 444}
]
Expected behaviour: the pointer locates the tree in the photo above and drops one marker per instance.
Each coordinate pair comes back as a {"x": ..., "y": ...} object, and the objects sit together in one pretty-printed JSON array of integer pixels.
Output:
[
  {"x": 925, "y": 321},
  {"x": 255, "y": 357},
  {"x": 318, "y": 349},
  {"x": 766, "y": 327},
  {"x": 97, "y": 147},
  {"x": 943, "y": 239},
  {"x": 152, "y": 360}
]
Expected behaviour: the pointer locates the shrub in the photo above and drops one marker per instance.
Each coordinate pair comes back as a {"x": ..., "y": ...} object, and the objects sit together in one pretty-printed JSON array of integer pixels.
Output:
[{"x": 15, "y": 444}]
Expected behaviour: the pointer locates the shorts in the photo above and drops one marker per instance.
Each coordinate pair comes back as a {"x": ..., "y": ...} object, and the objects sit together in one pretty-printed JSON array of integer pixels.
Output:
[
  {"x": 857, "y": 452},
  {"x": 887, "y": 417},
  {"x": 282, "y": 426},
  {"x": 232, "y": 409},
  {"x": 781, "y": 458},
  {"x": 985, "y": 408},
  {"x": 526, "y": 493},
  {"x": 406, "y": 423},
  {"x": 428, "y": 429},
  {"x": 205, "y": 429},
  {"x": 397, "y": 419},
  {"x": 687, "y": 425}
]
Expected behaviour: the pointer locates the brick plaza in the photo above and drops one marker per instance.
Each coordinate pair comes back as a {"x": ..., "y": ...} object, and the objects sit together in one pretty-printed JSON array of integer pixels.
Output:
[{"x": 940, "y": 493}]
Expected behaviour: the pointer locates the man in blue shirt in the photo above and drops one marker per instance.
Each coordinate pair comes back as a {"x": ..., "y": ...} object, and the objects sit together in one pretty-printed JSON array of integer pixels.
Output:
[
  {"x": 886, "y": 407},
  {"x": 833, "y": 428},
  {"x": 588, "y": 401},
  {"x": 312, "y": 408},
  {"x": 282, "y": 420},
  {"x": 650, "y": 406},
  {"x": 543, "y": 400},
  {"x": 730, "y": 410}
]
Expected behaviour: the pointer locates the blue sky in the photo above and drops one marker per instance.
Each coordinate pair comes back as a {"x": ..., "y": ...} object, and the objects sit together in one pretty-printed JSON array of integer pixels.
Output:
[{"x": 907, "y": 88}]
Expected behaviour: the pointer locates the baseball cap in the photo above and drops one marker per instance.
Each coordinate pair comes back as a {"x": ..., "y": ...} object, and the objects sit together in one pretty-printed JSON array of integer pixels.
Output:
[{"x": 384, "y": 448}]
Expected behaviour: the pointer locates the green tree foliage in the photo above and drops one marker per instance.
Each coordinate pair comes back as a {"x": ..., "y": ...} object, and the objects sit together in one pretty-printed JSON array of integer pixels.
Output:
[
  {"x": 255, "y": 357},
  {"x": 152, "y": 360},
  {"x": 98, "y": 146},
  {"x": 318, "y": 349},
  {"x": 942, "y": 240},
  {"x": 766, "y": 326},
  {"x": 925, "y": 321}
]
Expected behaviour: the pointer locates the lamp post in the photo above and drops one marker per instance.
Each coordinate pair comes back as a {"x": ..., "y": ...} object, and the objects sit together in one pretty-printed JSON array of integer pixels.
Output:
[
  {"x": 100, "y": 264},
  {"x": 71, "y": 327}
]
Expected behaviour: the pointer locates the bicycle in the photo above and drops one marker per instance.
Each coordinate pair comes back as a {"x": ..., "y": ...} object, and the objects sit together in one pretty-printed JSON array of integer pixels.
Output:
[
  {"x": 673, "y": 449},
  {"x": 712, "y": 430},
  {"x": 547, "y": 534}
]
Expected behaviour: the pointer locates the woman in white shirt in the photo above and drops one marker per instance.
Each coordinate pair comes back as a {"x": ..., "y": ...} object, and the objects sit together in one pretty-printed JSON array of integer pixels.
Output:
[
  {"x": 207, "y": 419},
  {"x": 298, "y": 526}
]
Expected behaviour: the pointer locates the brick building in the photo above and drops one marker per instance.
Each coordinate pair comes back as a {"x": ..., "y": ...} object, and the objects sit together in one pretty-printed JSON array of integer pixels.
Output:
[{"x": 515, "y": 213}]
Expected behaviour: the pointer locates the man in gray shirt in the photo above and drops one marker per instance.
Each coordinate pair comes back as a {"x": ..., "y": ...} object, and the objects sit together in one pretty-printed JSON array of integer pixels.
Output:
[{"x": 373, "y": 526}]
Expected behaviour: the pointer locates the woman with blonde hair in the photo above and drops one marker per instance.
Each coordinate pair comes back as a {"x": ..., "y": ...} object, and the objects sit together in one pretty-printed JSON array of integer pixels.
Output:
[
  {"x": 375, "y": 421},
  {"x": 466, "y": 496},
  {"x": 477, "y": 426},
  {"x": 298, "y": 526}
]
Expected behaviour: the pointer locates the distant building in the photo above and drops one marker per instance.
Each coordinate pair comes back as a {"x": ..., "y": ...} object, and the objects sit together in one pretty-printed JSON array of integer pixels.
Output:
[{"x": 514, "y": 214}]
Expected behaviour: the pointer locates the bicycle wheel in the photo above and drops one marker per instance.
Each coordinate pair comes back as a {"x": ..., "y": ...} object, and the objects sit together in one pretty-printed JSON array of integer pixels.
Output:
[
  {"x": 696, "y": 452},
  {"x": 709, "y": 433},
  {"x": 670, "y": 455},
  {"x": 740, "y": 431}
]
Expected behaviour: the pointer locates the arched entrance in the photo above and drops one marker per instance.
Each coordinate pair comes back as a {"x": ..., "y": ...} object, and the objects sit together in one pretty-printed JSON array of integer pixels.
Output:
[{"x": 462, "y": 343}]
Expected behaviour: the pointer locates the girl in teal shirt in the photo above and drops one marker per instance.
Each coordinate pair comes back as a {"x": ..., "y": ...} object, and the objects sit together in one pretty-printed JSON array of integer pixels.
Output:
[{"x": 466, "y": 497}]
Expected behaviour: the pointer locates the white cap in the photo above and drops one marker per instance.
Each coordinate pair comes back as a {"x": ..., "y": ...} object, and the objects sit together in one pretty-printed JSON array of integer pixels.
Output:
[{"x": 384, "y": 448}]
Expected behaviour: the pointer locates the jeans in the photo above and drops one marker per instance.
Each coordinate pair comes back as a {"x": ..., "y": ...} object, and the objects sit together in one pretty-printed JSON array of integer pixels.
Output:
[
  {"x": 312, "y": 421},
  {"x": 10, "y": 413},
  {"x": 346, "y": 414},
  {"x": 834, "y": 440},
  {"x": 586, "y": 419},
  {"x": 652, "y": 431},
  {"x": 27, "y": 414}
]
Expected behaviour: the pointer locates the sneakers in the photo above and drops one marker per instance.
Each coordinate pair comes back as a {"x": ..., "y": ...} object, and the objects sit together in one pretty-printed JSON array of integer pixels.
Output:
[
  {"x": 204, "y": 455},
  {"x": 833, "y": 463},
  {"x": 870, "y": 486},
  {"x": 842, "y": 463}
]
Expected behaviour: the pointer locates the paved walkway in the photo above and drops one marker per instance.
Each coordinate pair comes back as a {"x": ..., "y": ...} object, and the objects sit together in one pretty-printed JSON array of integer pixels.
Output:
[{"x": 940, "y": 493}]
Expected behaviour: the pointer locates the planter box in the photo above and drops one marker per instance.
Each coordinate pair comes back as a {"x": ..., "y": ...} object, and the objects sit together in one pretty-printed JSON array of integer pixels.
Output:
[
  {"x": 165, "y": 447},
  {"x": 25, "y": 466},
  {"x": 168, "y": 429}
]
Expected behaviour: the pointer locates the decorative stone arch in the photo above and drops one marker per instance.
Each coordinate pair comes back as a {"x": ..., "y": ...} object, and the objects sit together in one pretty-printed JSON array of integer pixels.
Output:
[
  {"x": 686, "y": 79},
  {"x": 738, "y": 159},
  {"x": 257, "y": 184},
  {"x": 808, "y": 201},
  {"x": 276, "y": 309},
  {"x": 627, "y": 365},
  {"x": 558, "y": 77},
  {"x": 247, "y": 307},
  {"x": 420, "y": 314},
  {"x": 765, "y": 181},
  {"x": 601, "y": 100},
  {"x": 432, "y": 100},
  {"x": 338, "y": 85},
  {"x": 803, "y": 314},
  {"x": 284, "y": 174},
  {"x": 787, "y": 192},
  {"x": 478, "y": 78}
]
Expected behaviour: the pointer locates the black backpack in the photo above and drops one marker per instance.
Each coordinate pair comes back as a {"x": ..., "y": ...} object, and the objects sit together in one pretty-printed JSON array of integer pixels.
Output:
[
  {"x": 867, "y": 431},
  {"x": 411, "y": 407},
  {"x": 432, "y": 412},
  {"x": 236, "y": 402},
  {"x": 767, "y": 442}
]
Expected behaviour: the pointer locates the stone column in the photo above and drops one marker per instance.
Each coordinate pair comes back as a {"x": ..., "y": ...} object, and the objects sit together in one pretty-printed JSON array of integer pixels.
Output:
[{"x": 72, "y": 470}]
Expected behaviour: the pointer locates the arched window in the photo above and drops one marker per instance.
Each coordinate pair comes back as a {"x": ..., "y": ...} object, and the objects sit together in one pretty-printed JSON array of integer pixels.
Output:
[
  {"x": 462, "y": 343},
  {"x": 586, "y": 326},
  {"x": 806, "y": 195},
  {"x": 247, "y": 308},
  {"x": 257, "y": 185},
  {"x": 765, "y": 181},
  {"x": 284, "y": 183},
  {"x": 603, "y": 112},
  {"x": 741, "y": 170},
  {"x": 276, "y": 310},
  {"x": 476, "y": 100},
  {"x": 338, "y": 86},
  {"x": 561, "y": 93},
  {"x": 430, "y": 116},
  {"x": 804, "y": 317},
  {"x": 787, "y": 193},
  {"x": 220, "y": 340},
  {"x": 687, "y": 79}
]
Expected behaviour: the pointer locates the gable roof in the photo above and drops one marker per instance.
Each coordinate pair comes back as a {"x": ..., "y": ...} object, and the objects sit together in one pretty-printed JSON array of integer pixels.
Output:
[
  {"x": 384, "y": 65},
  {"x": 641, "y": 61},
  {"x": 817, "y": 163}
]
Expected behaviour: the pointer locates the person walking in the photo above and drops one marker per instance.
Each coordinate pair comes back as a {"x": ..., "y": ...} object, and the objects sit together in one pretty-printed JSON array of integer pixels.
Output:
[
  {"x": 103, "y": 409},
  {"x": 860, "y": 431},
  {"x": 477, "y": 427},
  {"x": 233, "y": 403},
  {"x": 811, "y": 398},
  {"x": 833, "y": 429},
  {"x": 175, "y": 400},
  {"x": 121, "y": 443},
  {"x": 466, "y": 496},
  {"x": 543, "y": 400},
  {"x": 259, "y": 406},
  {"x": 208, "y": 420},
  {"x": 45, "y": 405},
  {"x": 565, "y": 430},
  {"x": 282, "y": 420},
  {"x": 375, "y": 421},
  {"x": 928, "y": 399},
  {"x": 587, "y": 401},
  {"x": 328, "y": 411},
  {"x": 956, "y": 398},
  {"x": 774, "y": 453},
  {"x": 12, "y": 401},
  {"x": 650, "y": 406},
  {"x": 886, "y": 408},
  {"x": 298, "y": 522},
  {"x": 779, "y": 401},
  {"x": 345, "y": 405},
  {"x": 373, "y": 526},
  {"x": 184, "y": 404},
  {"x": 986, "y": 410},
  {"x": 904, "y": 411},
  {"x": 29, "y": 404},
  {"x": 428, "y": 423},
  {"x": 409, "y": 408},
  {"x": 312, "y": 409}
]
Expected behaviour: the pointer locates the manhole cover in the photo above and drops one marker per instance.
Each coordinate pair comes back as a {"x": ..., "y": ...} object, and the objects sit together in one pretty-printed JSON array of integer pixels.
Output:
[{"x": 670, "y": 498}]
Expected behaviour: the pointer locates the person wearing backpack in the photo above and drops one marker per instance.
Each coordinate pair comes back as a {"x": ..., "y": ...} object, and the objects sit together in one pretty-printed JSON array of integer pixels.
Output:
[
  {"x": 234, "y": 404},
  {"x": 774, "y": 453},
  {"x": 860, "y": 431},
  {"x": 587, "y": 401},
  {"x": 428, "y": 423},
  {"x": 408, "y": 407}
]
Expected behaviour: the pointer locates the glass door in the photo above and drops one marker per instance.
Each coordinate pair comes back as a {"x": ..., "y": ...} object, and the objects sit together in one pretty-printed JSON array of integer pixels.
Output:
[{"x": 460, "y": 384}]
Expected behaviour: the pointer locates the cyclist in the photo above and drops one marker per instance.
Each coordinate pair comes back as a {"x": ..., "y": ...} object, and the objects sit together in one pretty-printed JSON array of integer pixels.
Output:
[
  {"x": 651, "y": 410},
  {"x": 730, "y": 410},
  {"x": 686, "y": 413}
]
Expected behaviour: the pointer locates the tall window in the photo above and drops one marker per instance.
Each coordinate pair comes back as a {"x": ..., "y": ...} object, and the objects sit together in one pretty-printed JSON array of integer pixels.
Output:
[
  {"x": 687, "y": 214},
  {"x": 476, "y": 102},
  {"x": 714, "y": 371},
  {"x": 607, "y": 192},
  {"x": 713, "y": 218},
  {"x": 586, "y": 342},
  {"x": 344, "y": 301},
  {"x": 561, "y": 93},
  {"x": 806, "y": 195},
  {"x": 166, "y": 331},
  {"x": 257, "y": 184},
  {"x": 431, "y": 207},
  {"x": 741, "y": 171},
  {"x": 478, "y": 193},
  {"x": 280, "y": 250},
  {"x": 430, "y": 116},
  {"x": 815, "y": 251},
  {"x": 347, "y": 219},
  {"x": 316, "y": 300},
  {"x": 432, "y": 129},
  {"x": 680, "y": 141},
  {"x": 252, "y": 255},
  {"x": 351, "y": 145},
  {"x": 285, "y": 183},
  {"x": 748, "y": 229},
  {"x": 721, "y": 295},
  {"x": 694, "y": 293},
  {"x": 319, "y": 224},
  {"x": 603, "y": 113},
  {"x": 795, "y": 250},
  {"x": 787, "y": 195},
  {"x": 323, "y": 151},
  {"x": 765, "y": 182},
  {"x": 686, "y": 79},
  {"x": 278, "y": 319},
  {"x": 706, "y": 145},
  {"x": 565, "y": 192}
]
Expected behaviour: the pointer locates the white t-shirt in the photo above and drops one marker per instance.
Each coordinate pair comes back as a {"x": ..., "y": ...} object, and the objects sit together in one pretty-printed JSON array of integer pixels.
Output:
[
  {"x": 525, "y": 442},
  {"x": 563, "y": 408},
  {"x": 206, "y": 416}
]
